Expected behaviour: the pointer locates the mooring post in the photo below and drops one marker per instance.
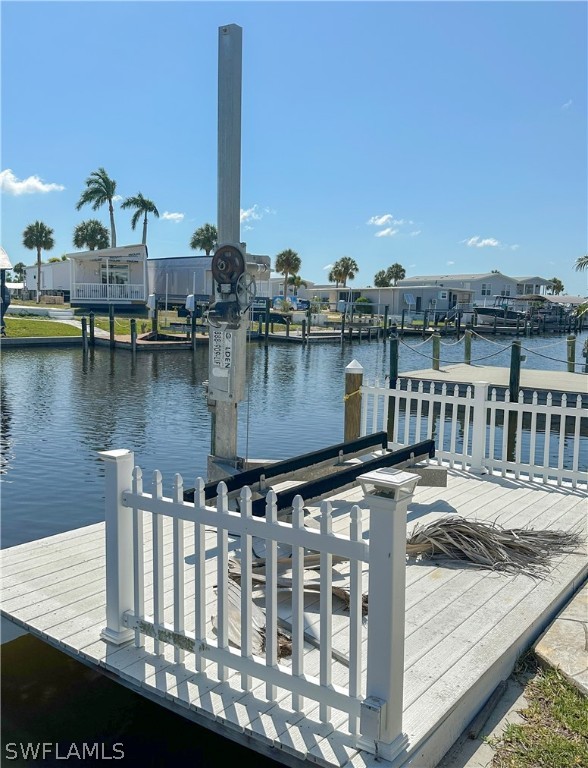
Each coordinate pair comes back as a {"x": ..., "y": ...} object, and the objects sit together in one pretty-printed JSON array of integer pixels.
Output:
[
  {"x": 436, "y": 350},
  {"x": 84, "y": 334},
  {"x": 353, "y": 382},
  {"x": 118, "y": 476},
  {"x": 571, "y": 354},
  {"x": 303, "y": 330},
  {"x": 402, "y": 322},
  {"x": 392, "y": 379},
  {"x": 495, "y": 324},
  {"x": 467, "y": 347},
  {"x": 385, "y": 329},
  {"x": 287, "y": 327},
  {"x": 425, "y": 323},
  {"x": 111, "y": 324},
  {"x": 154, "y": 323},
  {"x": 133, "y": 335},
  {"x": 515, "y": 371},
  {"x": 92, "y": 337},
  {"x": 388, "y": 495},
  {"x": 193, "y": 328}
]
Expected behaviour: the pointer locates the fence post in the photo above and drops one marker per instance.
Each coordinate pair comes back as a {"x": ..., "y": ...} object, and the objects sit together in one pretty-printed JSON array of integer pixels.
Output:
[
  {"x": 353, "y": 382},
  {"x": 571, "y": 354},
  {"x": 436, "y": 350},
  {"x": 468, "y": 347},
  {"x": 119, "y": 545},
  {"x": 479, "y": 428},
  {"x": 388, "y": 496}
]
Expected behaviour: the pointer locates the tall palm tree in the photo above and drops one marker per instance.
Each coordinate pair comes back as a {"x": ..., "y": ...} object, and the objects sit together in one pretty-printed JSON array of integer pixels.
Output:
[
  {"x": 143, "y": 207},
  {"x": 288, "y": 263},
  {"x": 204, "y": 239},
  {"x": 582, "y": 263},
  {"x": 38, "y": 237},
  {"x": 296, "y": 281},
  {"x": 396, "y": 272},
  {"x": 556, "y": 286},
  {"x": 100, "y": 189},
  {"x": 335, "y": 275},
  {"x": 346, "y": 269},
  {"x": 91, "y": 234}
]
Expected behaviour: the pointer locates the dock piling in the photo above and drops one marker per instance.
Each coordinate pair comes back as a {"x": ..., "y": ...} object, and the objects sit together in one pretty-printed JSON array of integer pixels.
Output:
[
  {"x": 468, "y": 347},
  {"x": 353, "y": 382},
  {"x": 436, "y": 350},
  {"x": 571, "y": 354},
  {"x": 111, "y": 324},
  {"x": 133, "y": 335},
  {"x": 92, "y": 336}
]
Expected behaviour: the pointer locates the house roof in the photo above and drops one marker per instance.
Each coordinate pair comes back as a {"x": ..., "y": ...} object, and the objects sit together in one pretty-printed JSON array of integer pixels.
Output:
[{"x": 423, "y": 279}]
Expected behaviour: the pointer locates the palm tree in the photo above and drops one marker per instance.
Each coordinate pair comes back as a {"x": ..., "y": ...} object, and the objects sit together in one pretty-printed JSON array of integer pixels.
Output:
[
  {"x": 556, "y": 286},
  {"x": 346, "y": 268},
  {"x": 19, "y": 271},
  {"x": 39, "y": 237},
  {"x": 204, "y": 239},
  {"x": 335, "y": 275},
  {"x": 143, "y": 206},
  {"x": 288, "y": 263},
  {"x": 100, "y": 189},
  {"x": 91, "y": 234},
  {"x": 296, "y": 281},
  {"x": 381, "y": 279},
  {"x": 396, "y": 272},
  {"x": 582, "y": 263}
]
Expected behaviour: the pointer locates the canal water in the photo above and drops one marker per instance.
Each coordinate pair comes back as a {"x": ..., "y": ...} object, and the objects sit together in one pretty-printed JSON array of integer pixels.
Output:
[{"x": 59, "y": 408}]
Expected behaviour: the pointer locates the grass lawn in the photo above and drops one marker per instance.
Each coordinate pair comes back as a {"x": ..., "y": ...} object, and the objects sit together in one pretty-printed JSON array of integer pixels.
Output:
[
  {"x": 22, "y": 327},
  {"x": 555, "y": 731}
]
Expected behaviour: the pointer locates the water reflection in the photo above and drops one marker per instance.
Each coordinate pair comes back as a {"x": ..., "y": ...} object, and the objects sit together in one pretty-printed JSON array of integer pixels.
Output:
[{"x": 6, "y": 454}]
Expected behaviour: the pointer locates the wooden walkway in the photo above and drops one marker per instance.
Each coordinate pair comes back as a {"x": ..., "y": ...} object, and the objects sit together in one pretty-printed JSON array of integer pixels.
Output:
[{"x": 465, "y": 627}]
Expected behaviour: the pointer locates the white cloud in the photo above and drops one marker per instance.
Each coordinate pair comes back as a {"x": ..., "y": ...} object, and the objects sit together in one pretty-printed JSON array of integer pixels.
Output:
[
  {"x": 251, "y": 214},
  {"x": 567, "y": 105},
  {"x": 388, "y": 232},
  {"x": 29, "y": 186},
  {"x": 415, "y": 233},
  {"x": 515, "y": 247},
  {"x": 380, "y": 221},
  {"x": 479, "y": 242},
  {"x": 449, "y": 263},
  {"x": 328, "y": 266},
  {"x": 117, "y": 198},
  {"x": 175, "y": 217}
]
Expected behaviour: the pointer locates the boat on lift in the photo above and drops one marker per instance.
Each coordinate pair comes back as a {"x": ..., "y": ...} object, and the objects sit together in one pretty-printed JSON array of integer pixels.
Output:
[{"x": 505, "y": 310}]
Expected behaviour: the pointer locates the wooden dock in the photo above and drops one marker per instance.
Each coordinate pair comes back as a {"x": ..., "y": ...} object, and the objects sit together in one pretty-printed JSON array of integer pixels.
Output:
[
  {"x": 464, "y": 629},
  {"x": 495, "y": 376}
]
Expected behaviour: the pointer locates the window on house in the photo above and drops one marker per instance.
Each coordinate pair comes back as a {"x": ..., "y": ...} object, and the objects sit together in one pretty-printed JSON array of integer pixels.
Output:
[
  {"x": 117, "y": 274},
  {"x": 505, "y": 290},
  {"x": 486, "y": 289},
  {"x": 528, "y": 289}
]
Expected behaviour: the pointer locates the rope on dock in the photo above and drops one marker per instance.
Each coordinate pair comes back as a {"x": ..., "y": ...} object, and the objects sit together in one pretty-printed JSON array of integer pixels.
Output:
[
  {"x": 452, "y": 362},
  {"x": 498, "y": 344},
  {"x": 547, "y": 357},
  {"x": 451, "y": 343}
]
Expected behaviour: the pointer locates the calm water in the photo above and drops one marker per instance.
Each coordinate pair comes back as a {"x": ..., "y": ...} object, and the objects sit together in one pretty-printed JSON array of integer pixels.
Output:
[{"x": 59, "y": 410}]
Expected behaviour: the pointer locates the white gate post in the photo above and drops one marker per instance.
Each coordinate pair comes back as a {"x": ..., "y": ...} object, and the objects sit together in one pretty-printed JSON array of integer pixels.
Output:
[
  {"x": 479, "y": 428},
  {"x": 388, "y": 492},
  {"x": 119, "y": 545}
]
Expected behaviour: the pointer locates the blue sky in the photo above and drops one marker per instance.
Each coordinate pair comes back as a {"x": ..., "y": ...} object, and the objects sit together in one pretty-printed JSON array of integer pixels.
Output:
[{"x": 446, "y": 136}]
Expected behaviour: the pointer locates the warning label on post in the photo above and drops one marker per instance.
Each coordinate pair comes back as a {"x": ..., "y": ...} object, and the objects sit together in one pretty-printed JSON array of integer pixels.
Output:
[{"x": 222, "y": 351}]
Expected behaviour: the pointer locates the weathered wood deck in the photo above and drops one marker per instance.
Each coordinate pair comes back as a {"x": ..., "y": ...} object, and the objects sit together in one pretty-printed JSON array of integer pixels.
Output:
[{"x": 464, "y": 626}]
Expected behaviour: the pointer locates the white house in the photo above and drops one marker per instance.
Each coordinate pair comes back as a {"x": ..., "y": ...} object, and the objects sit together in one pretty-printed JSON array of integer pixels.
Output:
[
  {"x": 108, "y": 276},
  {"x": 483, "y": 287}
]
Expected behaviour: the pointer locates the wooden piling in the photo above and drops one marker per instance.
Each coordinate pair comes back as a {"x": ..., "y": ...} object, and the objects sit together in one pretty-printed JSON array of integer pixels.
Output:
[
  {"x": 436, "y": 350},
  {"x": 353, "y": 382},
  {"x": 92, "y": 335},
  {"x": 392, "y": 379},
  {"x": 133, "y": 335},
  {"x": 515, "y": 371},
  {"x": 468, "y": 347},
  {"x": 571, "y": 354},
  {"x": 154, "y": 323},
  {"x": 385, "y": 330},
  {"x": 193, "y": 328},
  {"x": 84, "y": 334},
  {"x": 111, "y": 324},
  {"x": 304, "y": 331}
]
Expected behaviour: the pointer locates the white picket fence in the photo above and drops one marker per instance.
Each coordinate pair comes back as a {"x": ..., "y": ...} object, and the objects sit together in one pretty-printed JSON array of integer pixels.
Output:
[
  {"x": 476, "y": 430},
  {"x": 141, "y": 570}
]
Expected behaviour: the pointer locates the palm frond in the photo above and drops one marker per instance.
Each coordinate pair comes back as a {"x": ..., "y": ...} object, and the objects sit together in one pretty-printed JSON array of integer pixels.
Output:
[{"x": 488, "y": 545}]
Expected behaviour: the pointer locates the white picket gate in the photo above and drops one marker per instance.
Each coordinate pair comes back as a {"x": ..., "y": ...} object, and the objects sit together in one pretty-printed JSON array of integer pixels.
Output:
[
  {"x": 139, "y": 523},
  {"x": 475, "y": 430}
]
